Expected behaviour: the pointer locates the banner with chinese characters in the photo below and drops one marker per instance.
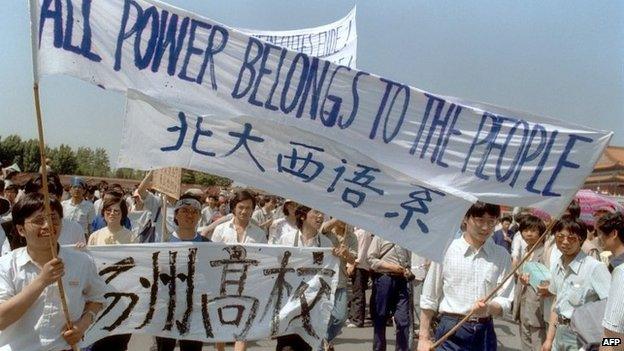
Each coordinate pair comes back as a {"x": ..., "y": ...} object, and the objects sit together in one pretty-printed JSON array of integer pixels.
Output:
[
  {"x": 215, "y": 292},
  {"x": 335, "y": 42},
  {"x": 204, "y": 67},
  {"x": 313, "y": 170}
]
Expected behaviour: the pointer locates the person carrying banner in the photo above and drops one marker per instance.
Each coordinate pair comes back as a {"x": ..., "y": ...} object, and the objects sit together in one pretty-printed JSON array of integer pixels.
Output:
[
  {"x": 115, "y": 211},
  {"x": 345, "y": 248},
  {"x": 392, "y": 281},
  {"x": 77, "y": 208},
  {"x": 472, "y": 267},
  {"x": 30, "y": 316},
  {"x": 309, "y": 223},
  {"x": 577, "y": 279},
  {"x": 186, "y": 217},
  {"x": 610, "y": 228},
  {"x": 239, "y": 230},
  {"x": 286, "y": 225}
]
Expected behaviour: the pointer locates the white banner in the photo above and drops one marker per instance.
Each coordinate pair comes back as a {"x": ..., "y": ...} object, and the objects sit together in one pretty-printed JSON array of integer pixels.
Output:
[
  {"x": 310, "y": 169},
  {"x": 201, "y": 66},
  {"x": 335, "y": 42},
  {"x": 215, "y": 292}
]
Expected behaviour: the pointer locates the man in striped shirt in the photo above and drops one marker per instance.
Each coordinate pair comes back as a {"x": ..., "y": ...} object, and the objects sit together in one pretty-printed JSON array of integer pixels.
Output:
[{"x": 472, "y": 267}]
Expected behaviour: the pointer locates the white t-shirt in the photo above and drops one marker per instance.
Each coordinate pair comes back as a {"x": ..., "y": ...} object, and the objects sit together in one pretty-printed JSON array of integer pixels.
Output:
[
  {"x": 226, "y": 233},
  {"x": 280, "y": 227},
  {"x": 71, "y": 233}
]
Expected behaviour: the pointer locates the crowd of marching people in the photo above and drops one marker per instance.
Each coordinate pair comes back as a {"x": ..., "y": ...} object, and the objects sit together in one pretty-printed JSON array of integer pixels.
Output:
[{"x": 565, "y": 295}]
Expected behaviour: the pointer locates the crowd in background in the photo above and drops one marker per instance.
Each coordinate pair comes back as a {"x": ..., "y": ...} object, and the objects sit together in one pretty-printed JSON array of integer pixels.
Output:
[{"x": 423, "y": 300}]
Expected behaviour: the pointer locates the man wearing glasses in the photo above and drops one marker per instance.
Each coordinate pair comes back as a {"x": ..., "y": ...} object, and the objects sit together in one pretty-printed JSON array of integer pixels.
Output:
[
  {"x": 577, "y": 279},
  {"x": 472, "y": 267}
]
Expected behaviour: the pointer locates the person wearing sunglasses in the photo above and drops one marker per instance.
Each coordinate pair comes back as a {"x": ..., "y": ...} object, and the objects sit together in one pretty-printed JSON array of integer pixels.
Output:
[{"x": 577, "y": 279}]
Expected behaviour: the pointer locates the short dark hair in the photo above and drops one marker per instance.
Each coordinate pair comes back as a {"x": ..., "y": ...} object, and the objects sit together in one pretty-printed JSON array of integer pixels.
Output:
[
  {"x": 532, "y": 222},
  {"x": 300, "y": 213},
  {"x": 31, "y": 203},
  {"x": 214, "y": 197},
  {"x": 506, "y": 218},
  {"x": 479, "y": 208},
  {"x": 1, "y": 185},
  {"x": 571, "y": 224},
  {"x": 611, "y": 222},
  {"x": 112, "y": 198},
  {"x": 574, "y": 209},
  {"x": 242, "y": 195},
  {"x": 54, "y": 185}
]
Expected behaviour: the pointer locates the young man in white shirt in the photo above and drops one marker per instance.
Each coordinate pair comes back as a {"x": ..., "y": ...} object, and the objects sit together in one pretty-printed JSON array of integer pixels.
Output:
[
  {"x": 577, "y": 279},
  {"x": 240, "y": 229},
  {"x": 77, "y": 208},
  {"x": 472, "y": 267},
  {"x": 30, "y": 318}
]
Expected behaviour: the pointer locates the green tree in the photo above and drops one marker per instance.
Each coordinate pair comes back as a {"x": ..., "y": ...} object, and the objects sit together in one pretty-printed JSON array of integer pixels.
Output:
[
  {"x": 31, "y": 158},
  {"x": 85, "y": 158},
  {"x": 10, "y": 148},
  {"x": 64, "y": 160},
  {"x": 101, "y": 166}
]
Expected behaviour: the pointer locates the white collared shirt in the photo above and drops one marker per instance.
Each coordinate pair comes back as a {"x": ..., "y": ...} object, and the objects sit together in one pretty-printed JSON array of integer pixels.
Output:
[
  {"x": 83, "y": 213},
  {"x": 40, "y": 327},
  {"x": 614, "y": 312},
  {"x": 226, "y": 233},
  {"x": 467, "y": 275},
  {"x": 584, "y": 280},
  {"x": 279, "y": 228}
]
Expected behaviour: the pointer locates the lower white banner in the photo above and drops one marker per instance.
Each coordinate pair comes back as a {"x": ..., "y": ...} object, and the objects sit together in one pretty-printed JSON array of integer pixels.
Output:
[
  {"x": 334, "y": 178},
  {"x": 215, "y": 292}
]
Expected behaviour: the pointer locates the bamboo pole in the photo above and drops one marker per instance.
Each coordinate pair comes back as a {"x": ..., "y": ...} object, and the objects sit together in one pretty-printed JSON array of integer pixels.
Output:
[
  {"x": 493, "y": 292},
  {"x": 46, "y": 204}
]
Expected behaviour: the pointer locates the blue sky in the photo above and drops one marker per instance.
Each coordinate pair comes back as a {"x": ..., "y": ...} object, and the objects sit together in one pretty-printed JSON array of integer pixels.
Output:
[{"x": 563, "y": 59}]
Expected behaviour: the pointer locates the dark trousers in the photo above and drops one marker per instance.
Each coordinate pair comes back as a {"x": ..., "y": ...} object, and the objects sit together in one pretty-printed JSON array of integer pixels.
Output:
[
  {"x": 357, "y": 309},
  {"x": 291, "y": 342},
  {"x": 391, "y": 296},
  {"x": 169, "y": 344},
  {"x": 112, "y": 343},
  {"x": 469, "y": 337}
]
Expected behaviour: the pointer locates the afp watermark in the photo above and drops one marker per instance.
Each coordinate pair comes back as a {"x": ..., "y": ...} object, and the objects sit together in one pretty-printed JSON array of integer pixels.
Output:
[{"x": 611, "y": 341}]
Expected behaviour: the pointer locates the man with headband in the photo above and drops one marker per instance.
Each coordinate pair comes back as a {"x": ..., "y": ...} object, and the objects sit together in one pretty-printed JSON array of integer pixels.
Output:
[{"x": 187, "y": 213}]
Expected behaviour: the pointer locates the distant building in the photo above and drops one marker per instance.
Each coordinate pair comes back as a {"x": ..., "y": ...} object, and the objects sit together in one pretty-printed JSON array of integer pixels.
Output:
[{"x": 608, "y": 174}]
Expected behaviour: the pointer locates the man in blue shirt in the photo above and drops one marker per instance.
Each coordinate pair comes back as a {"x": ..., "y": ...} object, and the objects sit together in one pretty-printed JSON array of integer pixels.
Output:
[{"x": 503, "y": 236}]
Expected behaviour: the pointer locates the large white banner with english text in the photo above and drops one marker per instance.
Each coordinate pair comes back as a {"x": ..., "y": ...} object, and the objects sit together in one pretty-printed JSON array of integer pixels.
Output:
[
  {"x": 201, "y": 66},
  {"x": 215, "y": 292},
  {"x": 310, "y": 169}
]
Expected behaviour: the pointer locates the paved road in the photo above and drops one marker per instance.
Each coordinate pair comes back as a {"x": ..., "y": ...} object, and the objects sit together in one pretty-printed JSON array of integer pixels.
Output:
[{"x": 356, "y": 339}]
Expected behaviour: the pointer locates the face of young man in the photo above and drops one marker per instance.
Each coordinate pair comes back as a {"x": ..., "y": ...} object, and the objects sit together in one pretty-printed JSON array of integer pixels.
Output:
[
  {"x": 568, "y": 243},
  {"x": 506, "y": 225},
  {"x": 530, "y": 236},
  {"x": 36, "y": 230},
  {"x": 187, "y": 217},
  {"x": 609, "y": 241},
  {"x": 243, "y": 211},
  {"x": 314, "y": 219},
  {"x": 479, "y": 229},
  {"x": 76, "y": 192}
]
